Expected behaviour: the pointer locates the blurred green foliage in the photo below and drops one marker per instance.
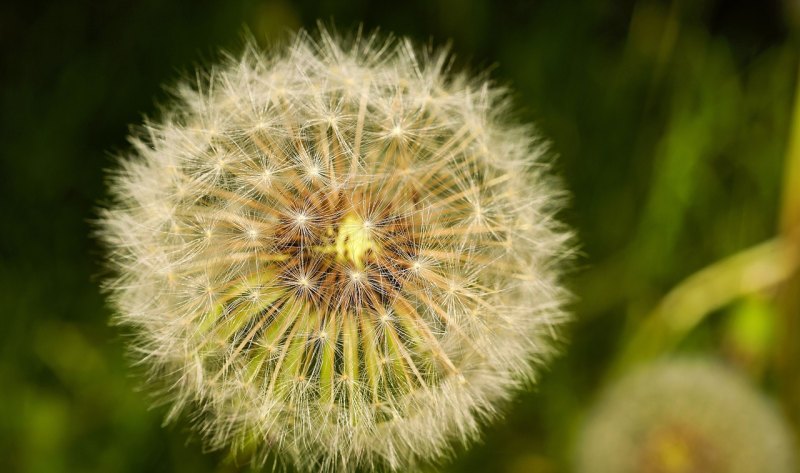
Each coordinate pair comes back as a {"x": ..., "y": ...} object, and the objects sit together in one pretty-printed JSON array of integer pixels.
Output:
[{"x": 670, "y": 119}]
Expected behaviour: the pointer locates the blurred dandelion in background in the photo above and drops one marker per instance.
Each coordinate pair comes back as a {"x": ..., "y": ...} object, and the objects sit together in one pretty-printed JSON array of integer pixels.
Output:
[
  {"x": 685, "y": 416},
  {"x": 339, "y": 251}
]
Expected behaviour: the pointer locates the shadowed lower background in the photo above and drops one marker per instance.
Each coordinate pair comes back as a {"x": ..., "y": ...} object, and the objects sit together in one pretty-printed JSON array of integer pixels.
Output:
[{"x": 672, "y": 122}]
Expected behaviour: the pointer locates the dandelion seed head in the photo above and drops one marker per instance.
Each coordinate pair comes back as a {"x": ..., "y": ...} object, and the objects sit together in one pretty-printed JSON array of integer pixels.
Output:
[
  {"x": 339, "y": 251},
  {"x": 684, "y": 416}
]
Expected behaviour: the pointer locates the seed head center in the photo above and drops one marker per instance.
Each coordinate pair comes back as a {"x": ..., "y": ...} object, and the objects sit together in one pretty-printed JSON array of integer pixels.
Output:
[
  {"x": 677, "y": 450},
  {"x": 354, "y": 240}
]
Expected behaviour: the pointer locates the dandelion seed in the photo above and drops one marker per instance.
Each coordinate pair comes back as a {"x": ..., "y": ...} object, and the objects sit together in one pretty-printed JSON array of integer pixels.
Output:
[{"x": 339, "y": 252}]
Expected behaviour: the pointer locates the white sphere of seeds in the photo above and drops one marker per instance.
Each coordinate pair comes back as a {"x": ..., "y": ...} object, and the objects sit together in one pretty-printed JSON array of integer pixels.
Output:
[
  {"x": 685, "y": 416},
  {"x": 337, "y": 251}
]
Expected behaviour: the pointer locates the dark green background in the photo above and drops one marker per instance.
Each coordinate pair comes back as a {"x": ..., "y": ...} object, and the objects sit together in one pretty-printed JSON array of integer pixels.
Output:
[{"x": 671, "y": 121}]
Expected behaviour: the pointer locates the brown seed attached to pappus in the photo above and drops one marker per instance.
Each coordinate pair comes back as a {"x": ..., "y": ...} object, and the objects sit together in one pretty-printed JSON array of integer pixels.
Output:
[{"x": 337, "y": 251}]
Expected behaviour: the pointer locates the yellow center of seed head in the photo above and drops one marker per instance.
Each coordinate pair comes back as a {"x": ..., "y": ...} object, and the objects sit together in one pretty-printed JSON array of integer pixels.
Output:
[
  {"x": 354, "y": 240},
  {"x": 674, "y": 454}
]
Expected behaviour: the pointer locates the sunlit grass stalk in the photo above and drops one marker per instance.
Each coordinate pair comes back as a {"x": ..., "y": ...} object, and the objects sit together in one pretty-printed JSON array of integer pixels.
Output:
[
  {"x": 749, "y": 271},
  {"x": 788, "y": 346}
]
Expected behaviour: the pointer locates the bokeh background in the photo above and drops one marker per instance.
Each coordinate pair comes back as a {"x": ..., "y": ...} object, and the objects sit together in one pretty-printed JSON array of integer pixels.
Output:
[{"x": 673, "y": 125}]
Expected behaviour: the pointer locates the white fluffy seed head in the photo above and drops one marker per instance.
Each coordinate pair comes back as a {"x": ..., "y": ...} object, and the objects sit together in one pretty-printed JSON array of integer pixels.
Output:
[
  {"x": 685, "y": 416},
  {"x": 337, "y": 251}
]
